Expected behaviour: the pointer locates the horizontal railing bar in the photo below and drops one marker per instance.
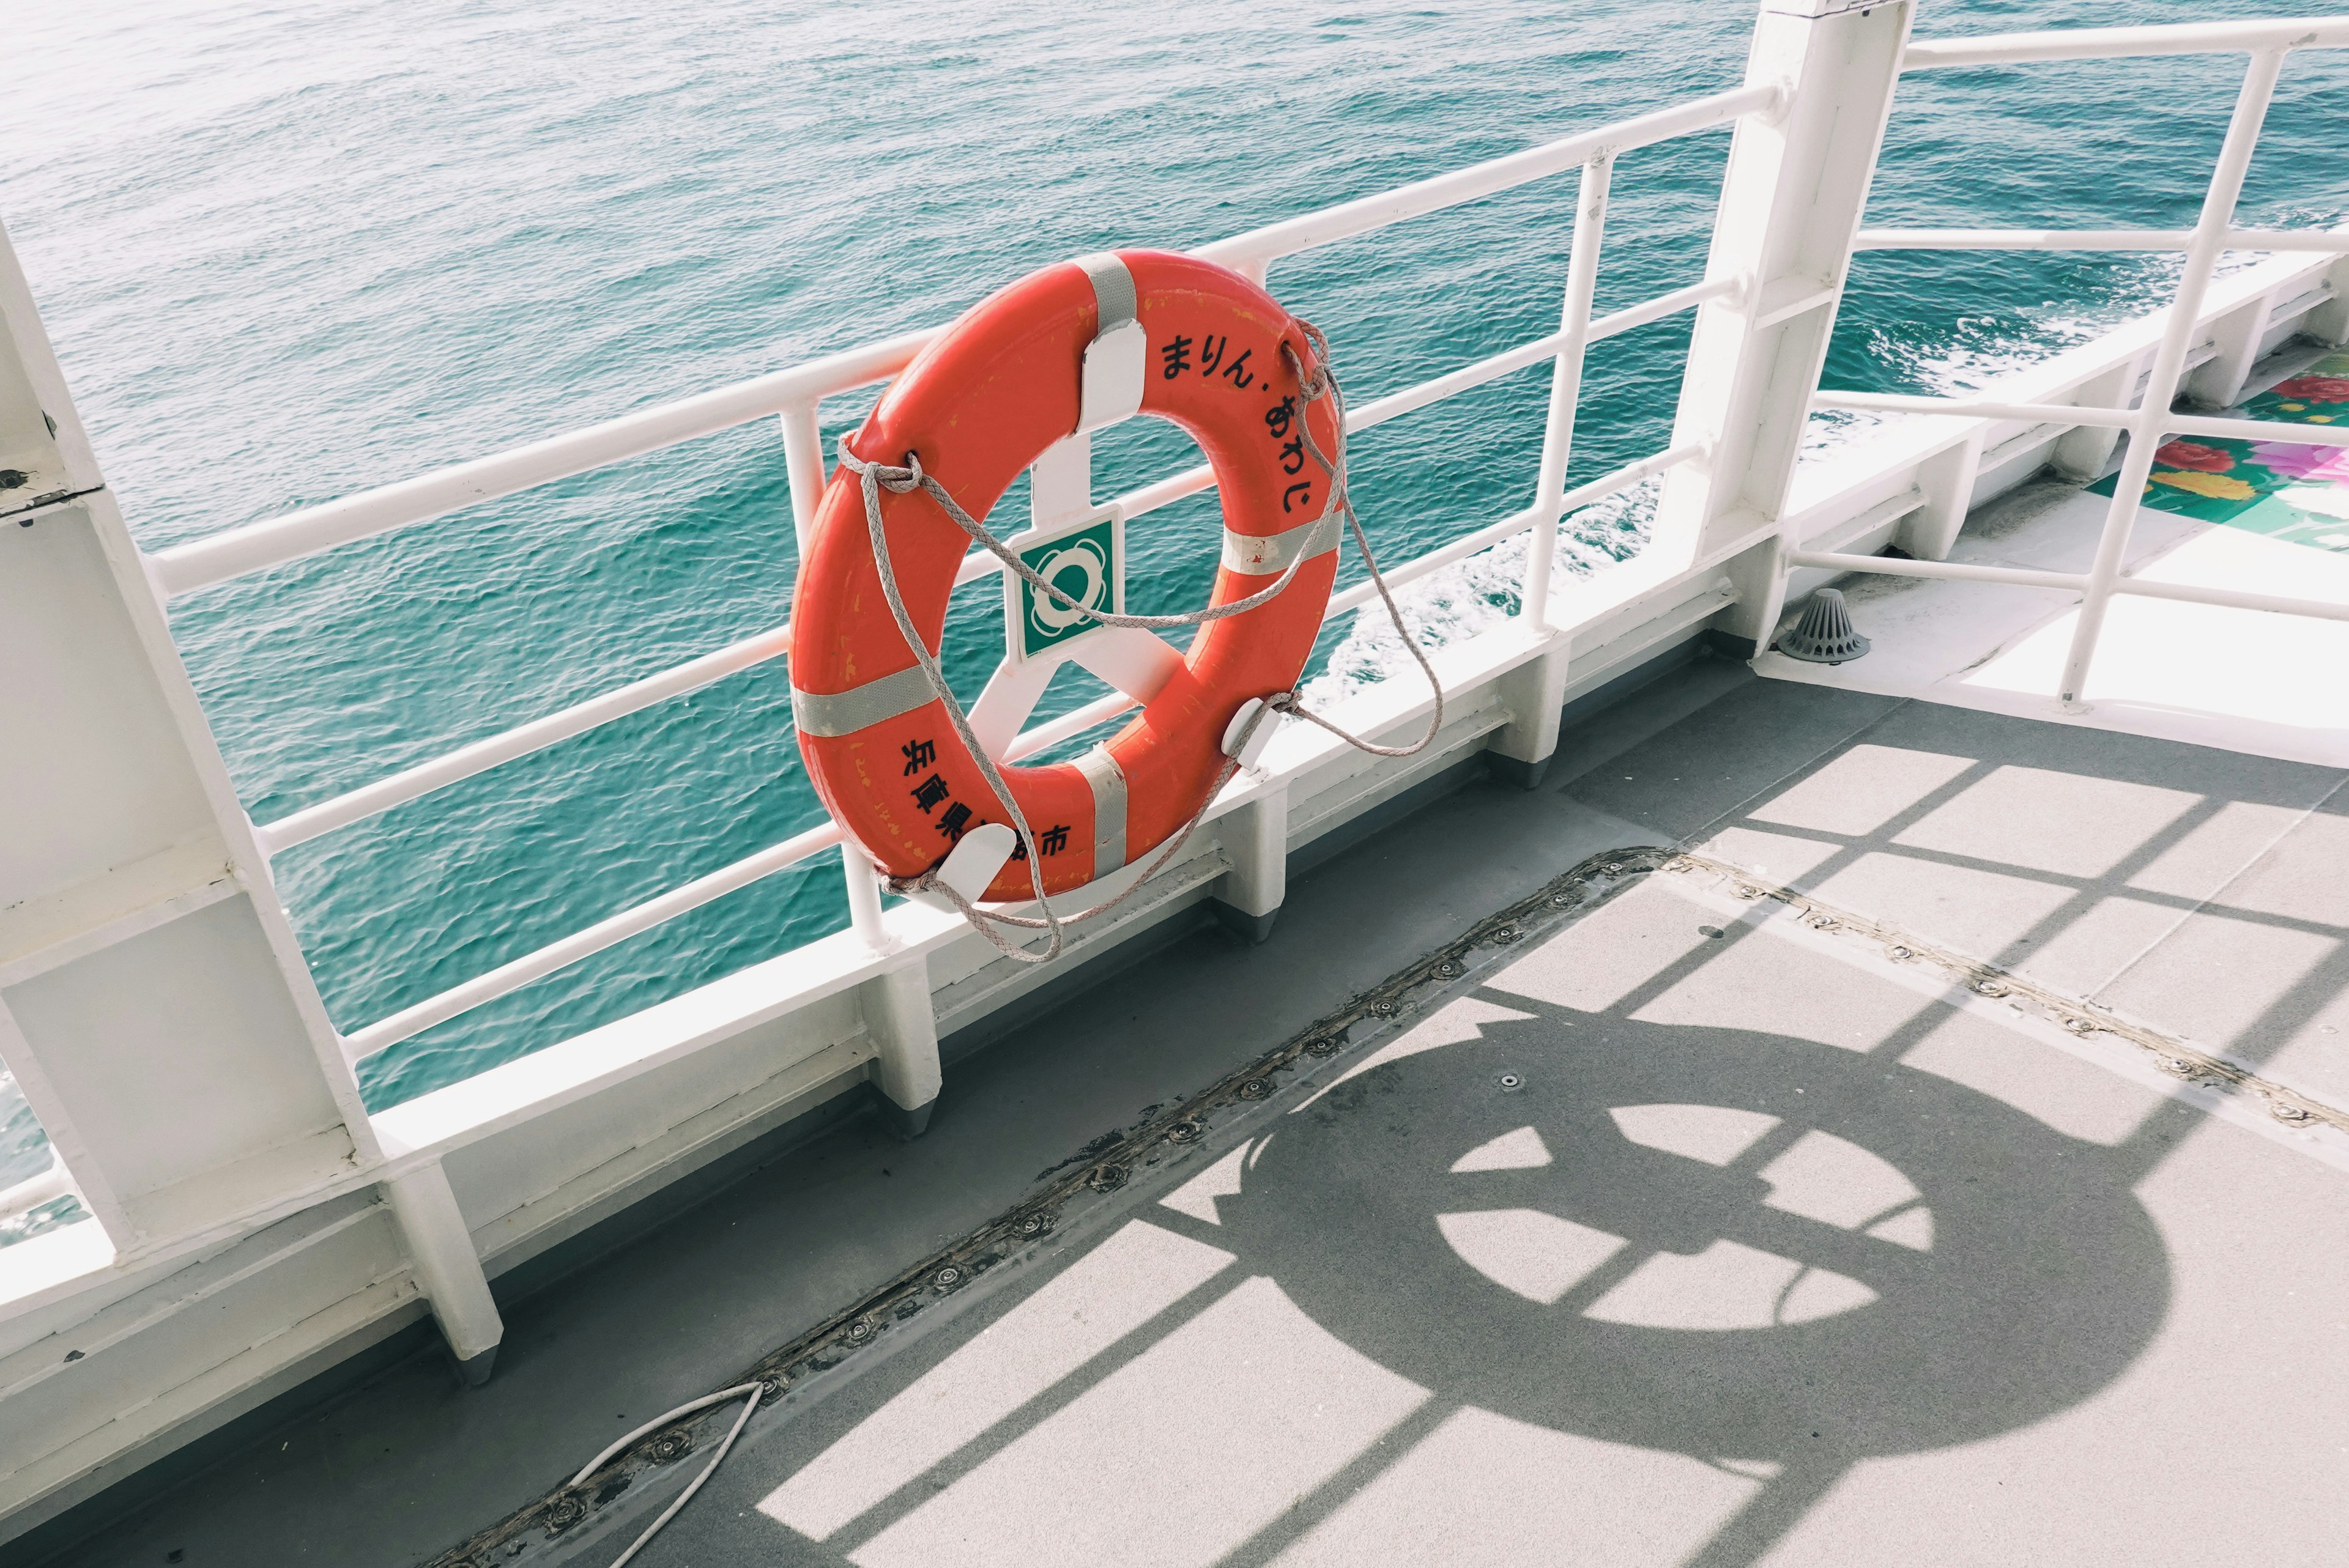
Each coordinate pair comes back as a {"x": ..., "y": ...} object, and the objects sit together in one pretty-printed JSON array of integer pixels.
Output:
[
  {"x": 2232, "y": 598},
  {"x": 1410, "y": 400},
  {"x": 2095, "y": 43},
  {"x": 1637, "y": 315},
  {"x": 1971, "y": 408},
  {"x": 2320, "y": 240},
  {"x": 1394, "y": 405},
  {"x": 216, "y": 558},
  {"x": 1100, "y": 710},
  {"x": 1305, "y": 233},
  {"x": 1485, "y": 538},
  {"x": 554, "y": 955},
  {"x": 1956, "y": 570},
  {"x": 2104, "y": 419},
  {"x": 412, "y": 783},
  {"x": 29, "y": 1194}
]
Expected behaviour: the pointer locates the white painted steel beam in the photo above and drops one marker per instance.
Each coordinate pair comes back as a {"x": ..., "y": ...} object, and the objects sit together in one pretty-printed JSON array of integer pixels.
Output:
[
  {"x": 1255, "y": 838},
  {"x": 1566, "y": 384},
  {"x": 1791, "y": 199},
  {"x": 2233, "y": 598},
  {"x": 2106, "y": 43},
  {"x": 448, "y": 1270},
  {"x": 904, "y": 1025},
  {"x": 161, "y": 1021},
  {"x": 1951, "y": 571}
]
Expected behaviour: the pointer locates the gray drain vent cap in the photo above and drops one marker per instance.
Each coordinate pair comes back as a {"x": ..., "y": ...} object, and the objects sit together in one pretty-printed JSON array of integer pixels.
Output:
[{"x": 1825, "y": 636}]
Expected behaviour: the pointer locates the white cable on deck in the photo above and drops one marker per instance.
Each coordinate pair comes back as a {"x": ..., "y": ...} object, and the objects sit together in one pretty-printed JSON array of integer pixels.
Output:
[{"x": 753, "y": 1391}]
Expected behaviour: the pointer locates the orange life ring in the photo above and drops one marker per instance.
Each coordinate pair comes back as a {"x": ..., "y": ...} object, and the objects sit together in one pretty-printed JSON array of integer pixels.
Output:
[{"x": 978, "y": 406}]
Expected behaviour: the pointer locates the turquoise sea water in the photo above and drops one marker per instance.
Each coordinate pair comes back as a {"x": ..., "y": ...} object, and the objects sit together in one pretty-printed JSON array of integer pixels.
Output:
[{"x": 290, "y": 251}]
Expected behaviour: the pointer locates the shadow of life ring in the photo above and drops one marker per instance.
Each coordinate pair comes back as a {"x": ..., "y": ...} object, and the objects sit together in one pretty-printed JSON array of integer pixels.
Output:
[{"x": 1717, "y": 1219}]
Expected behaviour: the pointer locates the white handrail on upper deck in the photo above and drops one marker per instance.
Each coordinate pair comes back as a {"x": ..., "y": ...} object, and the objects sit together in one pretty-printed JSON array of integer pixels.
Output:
[
  {"x": 2153, "y": 415},
  {"x": 2092, "y": 240},
  {"x": 231, "y": 552},
  {"x": 2112, "y": 43}
]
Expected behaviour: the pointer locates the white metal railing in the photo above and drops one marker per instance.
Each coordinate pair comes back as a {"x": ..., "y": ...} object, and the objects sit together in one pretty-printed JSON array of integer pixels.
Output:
[
  {"x": 2153, "y": 415},
  {"x": 23, "y": 1197},
  {"x": 413, "y": 783},
  {"x": 2115, "y": 43},
  {"x": 795, "y": 396},
  {"x": 2091, "y": 240}
]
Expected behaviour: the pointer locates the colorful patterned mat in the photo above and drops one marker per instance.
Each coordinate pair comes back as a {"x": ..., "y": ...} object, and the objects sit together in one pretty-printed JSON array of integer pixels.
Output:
[{"x": 2296, "y": 493}]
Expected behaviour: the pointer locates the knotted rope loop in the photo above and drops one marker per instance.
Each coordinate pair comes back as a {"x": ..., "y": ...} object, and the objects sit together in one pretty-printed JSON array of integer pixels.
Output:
[{"x": 898, "y": 480}]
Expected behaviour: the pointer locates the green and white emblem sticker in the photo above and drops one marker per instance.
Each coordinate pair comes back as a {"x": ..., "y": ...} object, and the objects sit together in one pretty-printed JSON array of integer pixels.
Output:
[{"x": 1087, "y": 563}]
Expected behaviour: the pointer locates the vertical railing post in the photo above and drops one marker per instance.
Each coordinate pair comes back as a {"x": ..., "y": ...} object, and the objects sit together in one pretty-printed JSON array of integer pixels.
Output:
[
  {"x": 1791, "y": 199},
  {"x": 448, "y": 1270},
  {"x": 1519, "y": 753},
  {"x": 803, "y": 459},
  {"x": 1566, "y": 381},
  {"x": 803, "y": 462},
  {"x": 2161, "y": 387},
  {"x": 896, "y": 1003},
  {"x": 1255, "y": 838}
]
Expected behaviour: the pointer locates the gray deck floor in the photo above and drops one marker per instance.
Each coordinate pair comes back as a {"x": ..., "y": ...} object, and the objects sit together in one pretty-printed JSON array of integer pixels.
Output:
[{"x": 1684, "y": 1235}]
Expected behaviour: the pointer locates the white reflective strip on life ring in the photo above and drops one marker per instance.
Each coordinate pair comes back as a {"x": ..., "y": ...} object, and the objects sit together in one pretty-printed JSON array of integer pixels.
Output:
[
  {"x": 1110, "y": 384},
  {"x": 1108, "y": 781},
  {"x": 1269, "y": 554},
  {"x": 834, "y": 713}
]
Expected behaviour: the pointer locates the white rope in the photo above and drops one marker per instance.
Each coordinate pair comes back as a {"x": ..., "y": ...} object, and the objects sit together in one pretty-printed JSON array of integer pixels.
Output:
[
  {"x": 904, "y": 479},
  {"x": 753, "y": 1391}
]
